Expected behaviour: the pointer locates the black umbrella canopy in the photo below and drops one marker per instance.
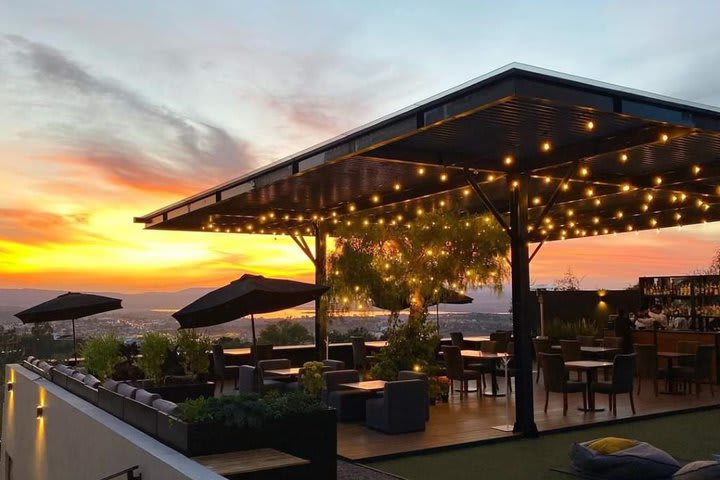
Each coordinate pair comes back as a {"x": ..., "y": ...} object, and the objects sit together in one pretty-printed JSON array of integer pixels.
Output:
[
  {"x": 446, "y": 296},
  {"x": 248, "y": 295},
  {"x": 69, "y": 306}
]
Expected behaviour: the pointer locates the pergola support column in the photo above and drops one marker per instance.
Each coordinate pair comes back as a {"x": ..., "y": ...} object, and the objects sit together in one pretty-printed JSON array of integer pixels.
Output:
[
  {"x": 321, "y": 304},
  {"x": 524, "y": 409}
]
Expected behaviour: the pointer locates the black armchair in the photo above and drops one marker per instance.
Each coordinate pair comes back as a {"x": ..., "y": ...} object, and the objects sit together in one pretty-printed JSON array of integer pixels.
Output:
[
  {"x": 349, "y": 403},
  {"x": 401, "y": 408}
]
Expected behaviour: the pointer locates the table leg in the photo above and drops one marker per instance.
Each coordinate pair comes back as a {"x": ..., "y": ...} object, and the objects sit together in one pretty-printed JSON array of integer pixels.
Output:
[
  {"x": 591, "y": 377},
  {"x": 669, "y": 385},
  {"x": 494, "y": 388}
]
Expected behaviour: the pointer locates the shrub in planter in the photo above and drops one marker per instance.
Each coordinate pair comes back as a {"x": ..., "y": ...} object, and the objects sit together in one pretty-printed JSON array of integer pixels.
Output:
[
  {"x": 192, "y": 348},
  {"x": 102, "y": 354},
  {"x": 153, "y": 351}
]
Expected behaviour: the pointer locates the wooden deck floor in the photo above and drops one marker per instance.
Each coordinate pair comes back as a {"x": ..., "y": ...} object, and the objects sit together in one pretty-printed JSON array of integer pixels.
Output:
[{"x": 470, "y": 419}]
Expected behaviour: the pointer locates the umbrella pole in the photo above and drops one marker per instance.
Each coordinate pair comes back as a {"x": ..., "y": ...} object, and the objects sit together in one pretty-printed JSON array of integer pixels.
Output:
[
  {"x": 254, "y": 340},
  {"x": 437, "y": 316},
  {"x": 74, "y": 343}
]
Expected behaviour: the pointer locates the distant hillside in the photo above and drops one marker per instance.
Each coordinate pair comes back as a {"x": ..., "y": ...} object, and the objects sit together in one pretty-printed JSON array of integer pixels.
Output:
[{"x": 14, "y": 300}]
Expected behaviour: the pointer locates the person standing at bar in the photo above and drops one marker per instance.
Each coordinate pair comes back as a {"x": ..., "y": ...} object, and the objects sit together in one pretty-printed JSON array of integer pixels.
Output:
[{"x": 624, "y": 330}]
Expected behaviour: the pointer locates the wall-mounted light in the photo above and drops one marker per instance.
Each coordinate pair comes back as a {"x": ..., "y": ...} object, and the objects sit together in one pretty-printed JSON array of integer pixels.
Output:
[
  {"x": 602, "y": 293},
  {"x": 39, "y": 412},
  {"x": 10, "y": 386}
]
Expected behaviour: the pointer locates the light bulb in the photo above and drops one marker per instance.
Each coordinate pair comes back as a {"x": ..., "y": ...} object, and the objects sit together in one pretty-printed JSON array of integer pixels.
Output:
[
  {"x": 421, "y": 171},
  {"x": 397, "y": 187},
  {"x": 376, "y": 198},
  {"x": 590, "y": 125},
  {"x": 696, "y": 169},
  {"x": 664, "y": 137},
  {"x": 443, "y": 177},
  {"x": 546, "y": 146},
  {"x": 623, "y": 157},
  {"x": 584, "y": 172},
  {"x": 508, "y": 160}
]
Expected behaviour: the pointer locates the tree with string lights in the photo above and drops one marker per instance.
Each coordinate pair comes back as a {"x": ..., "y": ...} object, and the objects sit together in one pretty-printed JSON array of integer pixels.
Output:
[{"x": 394, "y": 264}]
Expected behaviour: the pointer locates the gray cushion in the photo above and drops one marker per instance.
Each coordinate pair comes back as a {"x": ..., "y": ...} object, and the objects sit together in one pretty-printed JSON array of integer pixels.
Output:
[
  {"x": 45, "y": 366},
  {"x": 701, "y": 470},
  {"x": 143, "y": 396},
  {"x": 111, "y": 385},
  {"x": 61, "y": 368},
  {"x": 91, "y": 381},
  {"x": 126, "y": 390},
  {"x": 165, "y": 406},
  {"x": 30, "y": 359},
  {"x": 78, "y": 376},
  {"x": 641, "y": 461}
]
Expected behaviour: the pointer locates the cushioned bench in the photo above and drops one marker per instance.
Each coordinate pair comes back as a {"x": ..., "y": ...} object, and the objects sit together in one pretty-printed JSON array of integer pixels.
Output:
[{"x": 139, "y": 412}]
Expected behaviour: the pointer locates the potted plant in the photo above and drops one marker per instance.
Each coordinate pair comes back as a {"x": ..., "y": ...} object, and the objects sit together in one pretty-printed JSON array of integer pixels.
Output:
[
  {"x": 161, "y": 357},
  {"x": 297, "y": 423},
  {"x": 102, "y": 354},
  {"x": 312, "y": 379}
]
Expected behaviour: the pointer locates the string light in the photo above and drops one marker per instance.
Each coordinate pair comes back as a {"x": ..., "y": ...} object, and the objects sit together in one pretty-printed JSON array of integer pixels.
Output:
[
  {"x": 626, "y": 187},
  {"x": 515, "y": 183},
  {"x": 678, "y": 215},
  {"x": 421, "y": 171},
  {"x": 644, "y": 207},
  {"x": 664, "y": 137},
  {"x": 649, "y": 197},
  {"x": 442, "y": 203},
  {"x": 397, "y": 187},
  {"x": 696, "y": 169},
  {"x": 570, "y": 212},
  {"x": 547, "y": 180},
  {"x": 584, "y": 172},
  {"x": 623, "y": 157},
  {"x": 466, "y": 192},
  {"x": 536, "y": 201},
  {"x": 490, "y": 177},
  {"x": 673, "y": 198},
  {"x": 598, "y": 202},
  {"x": 566, "y": 186},
  {"x": 590, "y": 125},
  {"x": 443, "y": 177},
  {"x": 546, "y": 146},
  {"x": 596, "y": 220},
  {"x": 683, "y": 197},
  {"x": 658, "y": 180},
  {"x": 653, "y": 222},
  {"x": 375, "y": 198},
  {"x": 508, "y": 160},
  {"x": 619, "y": 214},
  {"x": 589, "y": 192}
]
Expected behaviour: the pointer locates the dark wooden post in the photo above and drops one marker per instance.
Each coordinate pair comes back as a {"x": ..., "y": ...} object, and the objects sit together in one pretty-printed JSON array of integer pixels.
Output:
[
  {"x": 321, "y": 304},
  {"x": 522, "y": 328}
]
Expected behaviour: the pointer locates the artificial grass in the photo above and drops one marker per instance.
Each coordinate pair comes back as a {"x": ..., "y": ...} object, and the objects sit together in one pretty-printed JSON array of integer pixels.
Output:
[{"x": 690, "y": 436}]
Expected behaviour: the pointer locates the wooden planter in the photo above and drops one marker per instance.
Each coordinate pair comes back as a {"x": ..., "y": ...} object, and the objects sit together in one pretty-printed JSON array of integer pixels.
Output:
[{"x": 313, "y": 437}]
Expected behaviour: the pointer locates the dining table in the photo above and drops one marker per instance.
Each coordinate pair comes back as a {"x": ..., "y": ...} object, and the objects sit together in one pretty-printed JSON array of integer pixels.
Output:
[
  {"x": 284, "y": 372},
  {"x": 670, "y": 357},
  {"x": 490, "y": 358},
  {"x": 590, "y": 367},
  {"x": 367, "y": 385}
]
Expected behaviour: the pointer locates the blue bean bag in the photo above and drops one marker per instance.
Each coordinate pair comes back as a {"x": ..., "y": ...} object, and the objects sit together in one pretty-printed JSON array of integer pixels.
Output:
[{"x": 639, "y": 460}]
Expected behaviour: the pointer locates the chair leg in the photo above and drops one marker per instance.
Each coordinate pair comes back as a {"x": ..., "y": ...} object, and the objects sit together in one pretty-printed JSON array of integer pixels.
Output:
[
  {"x": 547, "y": 397},
  {"x": 614, "y": 404},
  {"x": 565, "y": 404},
  {"x": 639, "y": 380},
  {"x": 537, "y": 376},
  {"x": 584, "y": 394},
  {"x": 632, "y": 402}
]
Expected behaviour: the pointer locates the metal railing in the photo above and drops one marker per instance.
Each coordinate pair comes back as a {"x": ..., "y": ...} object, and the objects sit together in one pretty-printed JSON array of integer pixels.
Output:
[{"x": 129, "y": 473}]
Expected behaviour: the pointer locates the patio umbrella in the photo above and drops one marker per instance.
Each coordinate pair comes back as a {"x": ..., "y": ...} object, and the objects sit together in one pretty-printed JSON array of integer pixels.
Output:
[
  {"x": 69, "y": 306},
  {"x": 248, "y": 295}
]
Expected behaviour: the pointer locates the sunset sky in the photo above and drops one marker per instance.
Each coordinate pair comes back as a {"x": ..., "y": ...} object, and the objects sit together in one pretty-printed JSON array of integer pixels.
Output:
[{"x": 110, "y": 110}]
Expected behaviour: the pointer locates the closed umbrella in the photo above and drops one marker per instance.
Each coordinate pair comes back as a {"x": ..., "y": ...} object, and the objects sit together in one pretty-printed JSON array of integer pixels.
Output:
[
  {"x": 248, "y": 295},
  {"x": 69, "y": 306}
]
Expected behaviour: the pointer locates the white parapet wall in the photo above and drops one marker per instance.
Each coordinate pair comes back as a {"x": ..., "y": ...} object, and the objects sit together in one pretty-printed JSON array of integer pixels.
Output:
[{"x": 75, "y": 440}]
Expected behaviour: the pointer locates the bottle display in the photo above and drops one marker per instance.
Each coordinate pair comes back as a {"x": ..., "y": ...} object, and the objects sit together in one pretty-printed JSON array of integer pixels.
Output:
[{"x": 689, "y": 302}]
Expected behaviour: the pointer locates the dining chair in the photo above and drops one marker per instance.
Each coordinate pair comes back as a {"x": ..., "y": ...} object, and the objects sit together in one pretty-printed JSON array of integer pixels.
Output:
[
  {"x": 457, "y": 339},
  {"x": 647, "y": 365},
  {"x": 270, "y": 381},
  {"x": 485, "y": 366},
  {"x": 361, "y": 360},
  {"x": 687, "y": 346},
  {"x": 556, "y": 380},
  {"x": 261, "y": 352},
  {"x": 700, "y": 372},
  {"x": 613, "y": 342},
  {"x": 222, "y": 371},
  {"x": 586, "y": 340},
  {"x": 501, "y": 340},
  {"x": 457, "y": 371},
  {"x": 571, "y": 352},
  {"x": 542, "y": 345},
  {"x": 624, "y": 371}
]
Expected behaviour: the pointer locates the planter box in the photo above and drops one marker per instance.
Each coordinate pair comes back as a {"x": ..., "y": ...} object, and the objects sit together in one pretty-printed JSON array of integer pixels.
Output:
[
  {"x": 313, "y": 437},
  {"x": 181, "y": 392}
]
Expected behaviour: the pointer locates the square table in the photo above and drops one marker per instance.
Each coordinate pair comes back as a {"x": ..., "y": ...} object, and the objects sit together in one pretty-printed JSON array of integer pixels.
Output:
[
  {"x": 590, "y": 367},
  {"x": 670, "y": 356},
  {"x": 376, "y": 343},
  {"x": 493, "y": 357},
  {"x": 368, "y": 385},
  {"x": 284, "y": 372}
]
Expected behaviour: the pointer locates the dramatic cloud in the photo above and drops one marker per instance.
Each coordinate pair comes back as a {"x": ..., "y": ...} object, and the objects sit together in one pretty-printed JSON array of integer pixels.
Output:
[{"x": 108, "y": 127}]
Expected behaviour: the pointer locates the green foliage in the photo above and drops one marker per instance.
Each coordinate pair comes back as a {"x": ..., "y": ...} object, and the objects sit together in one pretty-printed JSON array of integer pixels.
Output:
[
  {"x": 569, "y": 330},
  {"x": 102, "y": 354},
  {"x": 249, "y": 410},
  {"x": 153, "y": 350},
  {"x": 396, "y": 263},
  {"x": 411, "y": 344},
  {"x": 285, "y": 332},
  {"x": 233, "y": 342},
  {"x": 193, "y": 347},
  {"x": 312, "y": 379}
]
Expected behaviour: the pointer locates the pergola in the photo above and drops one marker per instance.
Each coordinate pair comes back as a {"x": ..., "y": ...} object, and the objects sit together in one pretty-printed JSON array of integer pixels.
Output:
[{"x": 549, "y": 156}]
